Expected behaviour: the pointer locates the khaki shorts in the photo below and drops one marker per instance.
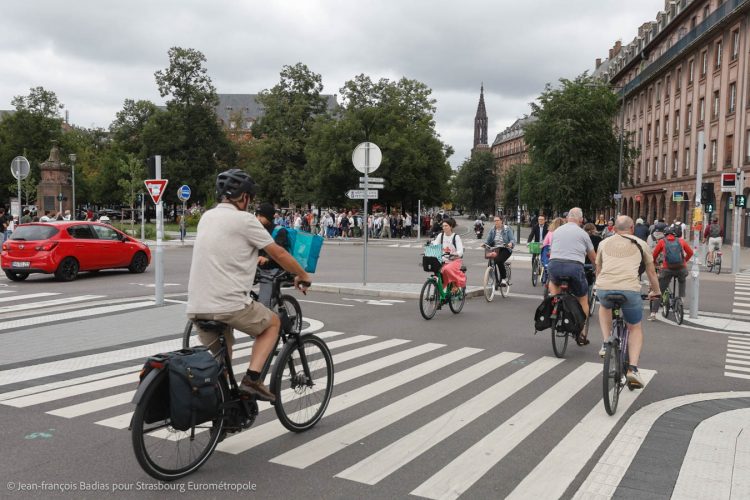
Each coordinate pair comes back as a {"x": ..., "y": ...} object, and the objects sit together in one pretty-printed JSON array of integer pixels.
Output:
[
  {"x": 714, "y": 243},
  {"x": 253, "y": 320}
]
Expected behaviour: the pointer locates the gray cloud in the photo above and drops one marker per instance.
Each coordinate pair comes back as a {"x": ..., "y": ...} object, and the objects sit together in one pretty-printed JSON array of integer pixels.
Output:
[{"x": 96, "y": 54}]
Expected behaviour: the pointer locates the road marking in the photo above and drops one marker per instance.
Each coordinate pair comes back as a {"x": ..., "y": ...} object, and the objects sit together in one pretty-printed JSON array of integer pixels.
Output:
[
  {"x": 94, "y": 405},
  {"x": 375, "y": 302},
  {"x": 326, "y": 303},
  {"x": 263, "y": 433},
  {"x": 736, "y": 375},
  {"x": 76, "y": 390},
  {"x": 28, "y": 296},
  {"x": 717, "y": 462},
  {"x": 737, "y": 356},
  {"x": 391, "y": 458},
  {"x": 466, "y": 469},
  {"x": 48, "y": 303},
  {"x": 81, "y": 313},
  {"x": 317, "y": 449}
]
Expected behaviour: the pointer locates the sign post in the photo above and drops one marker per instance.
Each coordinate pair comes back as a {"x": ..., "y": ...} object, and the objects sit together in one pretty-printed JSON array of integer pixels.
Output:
[
  {"x": 366, "y": 159},
  {"x": 184, "y": 195},
  {"x": 695, "y": 269},
  {"x": 156, "y": 189},
  {"x": 737, "y": 222},
  {"x": 20, "y": 168}
]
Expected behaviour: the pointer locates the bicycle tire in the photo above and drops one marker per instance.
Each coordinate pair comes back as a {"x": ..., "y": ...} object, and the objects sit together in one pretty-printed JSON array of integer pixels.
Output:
[
  {"x": 290, "y": 313},
  {"x": 488, "y": 283},
  {"x": 508, "y": 272},
  {"x": 505, "y": 289},
  {"x": 296, "y": 396},
  {"x": 709, "y": 264},
  {"x": 717, "y": 265},
  {"x": 166, "y": 436},
  {"x": 534, "y": 271},
  {"x": 611, "y": 378},
  {"x": 559, "y": 342},
  {"x": 428, "y": 299},
  {"x": 186, "y": 333},
  {"x": 679, "y": 311},
  {"x": 457, "y": 300},
  {"x": 666, "y": 299}
]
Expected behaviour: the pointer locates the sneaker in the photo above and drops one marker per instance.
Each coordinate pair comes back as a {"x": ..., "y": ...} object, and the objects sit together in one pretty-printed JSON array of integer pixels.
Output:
[
  {"x": 634, "y": 380},
  {"x": 652, "y": 317},
  {"x": 603, "y": 351},
  {"x": 257, "y": 389}
]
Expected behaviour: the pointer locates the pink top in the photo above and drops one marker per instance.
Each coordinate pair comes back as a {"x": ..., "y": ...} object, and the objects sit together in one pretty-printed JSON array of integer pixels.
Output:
[{"x": 548, "y": 239}]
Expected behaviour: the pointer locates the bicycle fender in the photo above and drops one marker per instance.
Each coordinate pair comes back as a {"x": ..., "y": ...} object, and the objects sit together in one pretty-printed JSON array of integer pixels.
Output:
[
  {"x": 289, "y": 345},
  {"x": 144, "y": 384}
]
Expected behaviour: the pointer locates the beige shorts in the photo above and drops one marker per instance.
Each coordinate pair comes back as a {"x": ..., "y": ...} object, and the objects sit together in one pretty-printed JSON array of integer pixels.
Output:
[{"x": 253, "y": 320}]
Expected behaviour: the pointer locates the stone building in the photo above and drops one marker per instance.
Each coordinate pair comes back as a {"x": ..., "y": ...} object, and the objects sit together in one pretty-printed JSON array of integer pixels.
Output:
[
  {"x": 55, "y": 181},
  {"x": 508, "y": 149},
  {"x": 480, "y": 125},
  {"x": 686, "y": 72}
]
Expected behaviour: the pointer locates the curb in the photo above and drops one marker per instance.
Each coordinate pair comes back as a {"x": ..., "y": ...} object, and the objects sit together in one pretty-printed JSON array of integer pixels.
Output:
[{"x": 471, "y": 292}]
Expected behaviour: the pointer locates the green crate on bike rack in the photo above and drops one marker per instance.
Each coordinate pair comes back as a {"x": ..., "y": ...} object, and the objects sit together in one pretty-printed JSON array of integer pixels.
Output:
[{"x": 535, "y": 248}]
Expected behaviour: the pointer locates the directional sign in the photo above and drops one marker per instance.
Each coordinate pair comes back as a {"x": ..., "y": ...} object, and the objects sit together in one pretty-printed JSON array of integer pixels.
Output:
[
  {"x": 367, "y": 157},
  {"x": 184, "y": 192},
  {"x": 371, "y": 185},
  {"x": 359, "y": 194},
  {"x": 20, "y": 167},
  {"x": 155, "y": 188},
  {"x": 372, "y": 179}
]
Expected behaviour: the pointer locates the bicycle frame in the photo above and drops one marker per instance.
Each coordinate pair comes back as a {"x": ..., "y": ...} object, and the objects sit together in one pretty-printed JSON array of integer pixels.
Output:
[{"x": 443, "y": 291}]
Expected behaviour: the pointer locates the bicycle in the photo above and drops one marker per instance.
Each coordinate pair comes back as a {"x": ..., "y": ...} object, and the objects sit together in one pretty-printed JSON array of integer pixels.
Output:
[
  {"x": 434, "y": 295},
  {"x": 301, "y": 380},
  {"x": 616, "y": 356},
  {"x": 489, "y": 281},
  {"x": 714, "y": 264},
  {"x": 671, "y": 301},
  {"x": 535, "y": 249},
  {"x": 559, "y": 335},
  {"x": 588, "y": 269}
]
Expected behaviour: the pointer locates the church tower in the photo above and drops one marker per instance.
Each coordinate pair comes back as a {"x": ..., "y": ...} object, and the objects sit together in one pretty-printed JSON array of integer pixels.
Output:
[{"x": 480, "y": 124}]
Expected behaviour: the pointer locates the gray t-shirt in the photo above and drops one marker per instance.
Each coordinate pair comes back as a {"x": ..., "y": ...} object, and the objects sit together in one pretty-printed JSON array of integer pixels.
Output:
[
  {"x": 570, "y": 242},
  {"x": 225, "y": 256}
]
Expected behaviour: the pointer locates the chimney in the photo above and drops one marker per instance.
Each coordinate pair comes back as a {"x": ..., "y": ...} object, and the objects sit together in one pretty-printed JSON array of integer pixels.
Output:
[
  {"x": 617, "y": 48},
  {"x": 610, "y": 54},
  {"x": 67, "y": 116},
  {"x": 598, "y": 62}
]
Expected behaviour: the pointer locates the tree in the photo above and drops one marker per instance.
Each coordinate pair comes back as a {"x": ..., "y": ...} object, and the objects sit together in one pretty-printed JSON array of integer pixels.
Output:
[
  {"x": 127, "y": 129},
  {"x": 40, "y": 102},
  {"x": 132, "y": 174},
  {"x": 475, "y": 183},
  {"x": 186, "y": 80},
  {"x": 573, "y": 146}
]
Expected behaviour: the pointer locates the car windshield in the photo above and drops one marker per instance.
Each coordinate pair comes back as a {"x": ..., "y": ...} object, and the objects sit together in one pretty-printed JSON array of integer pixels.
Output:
[{"x": 34, "y": 233}]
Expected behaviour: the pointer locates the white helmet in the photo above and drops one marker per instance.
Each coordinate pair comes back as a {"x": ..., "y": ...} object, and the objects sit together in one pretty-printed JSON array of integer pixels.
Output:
[{"x": 103, "y": 218}]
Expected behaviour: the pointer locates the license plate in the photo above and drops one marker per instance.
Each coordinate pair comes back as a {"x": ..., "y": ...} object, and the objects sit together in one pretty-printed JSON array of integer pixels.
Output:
[{"x": 20, "y": 264}]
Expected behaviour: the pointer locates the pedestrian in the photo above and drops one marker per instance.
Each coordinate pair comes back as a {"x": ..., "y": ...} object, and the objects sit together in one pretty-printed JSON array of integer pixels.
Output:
[
  {"x": 408, "y": 225},
  {"x": 26, "y": 217},
  {"x": 641, "y": 229},
  {"x": 609, "y": 230}
]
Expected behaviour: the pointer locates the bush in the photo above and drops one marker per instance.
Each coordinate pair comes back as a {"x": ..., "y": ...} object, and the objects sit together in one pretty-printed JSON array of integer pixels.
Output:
[{"x": 192, "y": 219}]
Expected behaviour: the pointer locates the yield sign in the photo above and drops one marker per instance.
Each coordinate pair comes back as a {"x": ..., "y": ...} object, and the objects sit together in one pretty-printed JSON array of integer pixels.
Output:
[{"x": 155, "y": 188}]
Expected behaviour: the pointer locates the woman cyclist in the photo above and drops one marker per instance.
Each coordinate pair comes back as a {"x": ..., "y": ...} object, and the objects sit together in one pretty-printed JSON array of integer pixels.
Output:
[{"x": 453, "y": 246}]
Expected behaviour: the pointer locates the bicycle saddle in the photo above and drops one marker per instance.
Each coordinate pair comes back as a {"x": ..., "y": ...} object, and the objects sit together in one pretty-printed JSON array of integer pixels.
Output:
[
  {"x": 463, "y": 269},
  {"x": 617, "y": 299},
  {"x": 211, "y": 325}
]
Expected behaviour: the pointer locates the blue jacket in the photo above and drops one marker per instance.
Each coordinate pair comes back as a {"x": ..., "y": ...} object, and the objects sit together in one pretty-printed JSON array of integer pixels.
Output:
[{"x": 507, "y": 236}]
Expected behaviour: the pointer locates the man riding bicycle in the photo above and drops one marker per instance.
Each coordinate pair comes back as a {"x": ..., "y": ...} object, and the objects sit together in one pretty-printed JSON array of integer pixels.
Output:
[
  {"x": 570, "y": 247},
  {"x": 618, "y": 263},
  {"x": 501, "y": 236},
  {"x": 676, "y": 254},
  {"x": 225, "y": 257},
  {"x": 714, "y": 234}
]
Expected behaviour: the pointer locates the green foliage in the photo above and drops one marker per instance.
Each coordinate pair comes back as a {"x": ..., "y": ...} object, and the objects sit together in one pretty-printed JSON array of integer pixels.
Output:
[
  {"x": 186, "y": 79},
  {"x": 127, "y": 129},
  {"x": 39, "y": 102},
  {"x": 475, "y": 183},
  {"x": 192, "y": 219},
  {"x": 573, "y": 146}
]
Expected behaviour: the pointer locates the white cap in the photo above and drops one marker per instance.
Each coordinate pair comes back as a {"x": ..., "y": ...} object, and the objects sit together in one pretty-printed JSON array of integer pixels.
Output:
[{"x": 639, "y": 221}]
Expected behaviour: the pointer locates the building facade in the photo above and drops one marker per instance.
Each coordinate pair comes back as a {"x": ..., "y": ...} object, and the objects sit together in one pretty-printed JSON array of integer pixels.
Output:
[
  {"x": 684, "y": 73},
  {"x": 509, "y": 148}
]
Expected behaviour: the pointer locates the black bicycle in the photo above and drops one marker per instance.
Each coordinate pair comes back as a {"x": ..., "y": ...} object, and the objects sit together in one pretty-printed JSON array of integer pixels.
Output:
[
  {"x": 301, "y": 380},
  {"x": 672, "y": 302},
  {"x": 489, "y": 281},
  {"x": 561, "y": 330}
]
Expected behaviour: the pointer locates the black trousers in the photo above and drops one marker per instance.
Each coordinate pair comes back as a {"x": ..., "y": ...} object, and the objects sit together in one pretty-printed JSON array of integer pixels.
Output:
[{"x": 502, "y": 255}]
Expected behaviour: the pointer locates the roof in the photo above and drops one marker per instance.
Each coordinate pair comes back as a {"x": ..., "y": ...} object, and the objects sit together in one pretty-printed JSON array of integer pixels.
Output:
[{"x": 514, "y": 131}]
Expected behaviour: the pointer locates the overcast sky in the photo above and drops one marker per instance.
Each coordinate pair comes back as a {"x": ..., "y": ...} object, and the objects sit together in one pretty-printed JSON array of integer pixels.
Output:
[{"x": 95, "y": 54}]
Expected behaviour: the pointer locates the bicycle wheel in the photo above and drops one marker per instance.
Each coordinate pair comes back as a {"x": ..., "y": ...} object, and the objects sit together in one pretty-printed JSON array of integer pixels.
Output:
[
  {"x": 290, "y": 313},
  {"x": 162, "y": 451},
  {"x": 612, "y": 376},
  {"x": 559, "y": 342},
  {"x": 457, "y": 300},
  {"x": 679, "y": 311},
  {"x": 708, "y": 263},
  {"x": 505, "y": 289},
  {"x": 186, "y": 335},
  {"x": 428, "y": 299},
  {"x": 717, "y": 264},
  {"x": 534, "y": 271},
  {"x": 665, "y": 300},
  {"x": 488, "y": 283},
  {"x": 302, "y": 395}
]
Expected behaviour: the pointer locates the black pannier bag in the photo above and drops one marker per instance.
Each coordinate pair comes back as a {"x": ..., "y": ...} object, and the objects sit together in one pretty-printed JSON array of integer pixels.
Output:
[
  {"x": 571, "y": 318},
  {"x": 542, "y": 316},
  {"x": 158, "y": 408},
  {"x": 193, "y": 387}
]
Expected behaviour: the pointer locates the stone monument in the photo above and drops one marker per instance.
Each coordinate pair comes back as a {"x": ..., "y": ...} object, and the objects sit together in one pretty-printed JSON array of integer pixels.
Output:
[{"x": 55, "y": 182}]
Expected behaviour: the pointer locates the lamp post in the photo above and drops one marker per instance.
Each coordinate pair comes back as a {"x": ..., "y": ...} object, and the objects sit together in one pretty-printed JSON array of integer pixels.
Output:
[
  {"x": 72, "y": 157},
  {"x": 622, "y": 133},
  {"x": 518, "y": 233}
]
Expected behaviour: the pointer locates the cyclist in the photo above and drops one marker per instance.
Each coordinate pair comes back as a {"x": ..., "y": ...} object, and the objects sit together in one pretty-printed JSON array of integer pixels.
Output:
[
  {"x": 225, "y": 257},
  {"x": 539, "y": 231},
  {"x": 570, "y": 247},
  {"x": 268, "y": 268},
  {"x": 452, "y": 245},
  {"x": 617, "y": 268},
  {"x": 676, "y": 254},
  {"x": 714, "y": 235},
  {"x": 501, "y": 235}
]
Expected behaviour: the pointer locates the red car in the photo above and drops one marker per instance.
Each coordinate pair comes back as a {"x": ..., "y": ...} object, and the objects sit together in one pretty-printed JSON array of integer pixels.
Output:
[{"x": 67, "y": 247}]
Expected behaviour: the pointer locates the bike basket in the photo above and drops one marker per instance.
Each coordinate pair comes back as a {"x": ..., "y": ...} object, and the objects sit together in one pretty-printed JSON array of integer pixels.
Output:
[
  {"x": 434, "y": 251},
  {"x": 490, "y": 254},
  {"x": 431, "y": 264},
  {"x": 535, "y": 248}
]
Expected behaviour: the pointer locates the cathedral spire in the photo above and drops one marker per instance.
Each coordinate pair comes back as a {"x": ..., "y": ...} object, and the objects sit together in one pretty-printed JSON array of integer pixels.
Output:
[{"x": 480, "y": 121}]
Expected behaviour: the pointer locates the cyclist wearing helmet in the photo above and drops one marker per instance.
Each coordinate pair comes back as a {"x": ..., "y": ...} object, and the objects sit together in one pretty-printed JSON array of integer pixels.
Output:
[
  {"x": 225, "y": 257},
  {"x": 675, "y": 253}
]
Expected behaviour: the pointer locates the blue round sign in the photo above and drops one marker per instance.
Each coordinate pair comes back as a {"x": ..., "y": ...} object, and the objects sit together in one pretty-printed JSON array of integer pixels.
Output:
[{"x": 184, "y": 192}]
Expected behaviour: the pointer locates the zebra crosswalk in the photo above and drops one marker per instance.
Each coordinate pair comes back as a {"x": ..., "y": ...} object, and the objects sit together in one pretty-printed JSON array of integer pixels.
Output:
[
  {"x": 741, "y": 305},
  {"x": 405, "y": 398},
  {"x": 737, "y": 364}
]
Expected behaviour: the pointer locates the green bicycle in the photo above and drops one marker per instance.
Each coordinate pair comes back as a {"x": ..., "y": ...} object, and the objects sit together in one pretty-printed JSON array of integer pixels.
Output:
[{"x": 434, "y": 294}]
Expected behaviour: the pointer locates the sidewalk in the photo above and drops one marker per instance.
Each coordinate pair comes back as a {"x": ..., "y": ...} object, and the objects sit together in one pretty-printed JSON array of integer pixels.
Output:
[{"x": 390, "y": 290}]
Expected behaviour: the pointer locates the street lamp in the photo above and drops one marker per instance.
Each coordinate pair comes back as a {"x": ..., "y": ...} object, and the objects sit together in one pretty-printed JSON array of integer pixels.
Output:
[{"x": 72, "y": 157}]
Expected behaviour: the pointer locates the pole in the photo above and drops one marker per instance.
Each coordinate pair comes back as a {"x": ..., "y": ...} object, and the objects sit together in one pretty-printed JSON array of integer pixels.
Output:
[
  {"x": 73, "y": 178},
  {"x": 619, "y": 170},
  {"x": 159, "y": 284},
  {"x": 367, "y": 171},
  {"x": 183, "y": 227},
  {"x": 518, "y": 234},
  {"x": 143, "y": 218},
  {"x": 695, "y": 269},
  {"x": 20, "y": 203},
  {"x": 419, "y": 220},
  {"x": 736, "y": 223}
]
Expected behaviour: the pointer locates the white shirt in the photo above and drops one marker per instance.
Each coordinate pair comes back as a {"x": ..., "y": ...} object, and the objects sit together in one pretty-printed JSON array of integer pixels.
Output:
[{"x": 447, "y": 243}]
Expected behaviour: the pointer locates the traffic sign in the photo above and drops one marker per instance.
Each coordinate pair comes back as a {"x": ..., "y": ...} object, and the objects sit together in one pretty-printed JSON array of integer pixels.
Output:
[
  {"x": 372, "y": 179},
  {"x": 367, "y": 157},
  {"x": 679, "y": 196},
  {"x": 155, "y": 188},
  {"x": 617, "y": 196},
  {"x": 20, "y": 167},
  {"x": 728, "y": 182},
  {"x": 359, "y": 194},
  {"x": 184, "y": 192},
  {"x": 371, "y": 185}
]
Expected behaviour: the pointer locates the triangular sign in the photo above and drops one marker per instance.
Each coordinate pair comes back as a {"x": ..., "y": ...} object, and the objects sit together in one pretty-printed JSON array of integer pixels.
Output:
[{"x": 156, "y": 188}]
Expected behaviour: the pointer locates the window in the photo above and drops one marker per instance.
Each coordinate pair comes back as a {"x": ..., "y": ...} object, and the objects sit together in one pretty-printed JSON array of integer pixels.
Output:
[
  {"x": 728, "y": 150},
  {"x": 715, "y": 107},
  {"x": 701, "y": 110},
  {"x": 689, "y": 117},
  {"x": 714, "y": 153},
  {"x": 674, "y": 164},
  {"x": 658, "y": 92},
  {"x": 687, "y": 161},
  {"x": 667, "y": 84},
  {"x": 649, "y": 95},
  {"x": 648, "y": 170},
  {"x": 732, "y": 97},
  {"x": 704, "y": 63},
  {"x": 656, "y": 130},
  {"x": 691, "y": 71},
  {"x": 693, "y": 22},
  {"x": 106, "y": 233},
  {"x": 648, "y": 135},
  {"x": 747, "y": 146},
  {"x": 676, "y": 121},
  {"x": 735, "y": 44},
  {"x": 656, "y": 167},
  {"x": 717, "y": 55},
  {"x": 678, "y": 80},
  {"x": 666, "y": 127},
  {"x": 83, "y": 232},
  {"x": 664, "y": 167},
  {"x": 705, "y": 12},
  {"x": 640, "y": 137},
  {"x": 232, "y": 124}
]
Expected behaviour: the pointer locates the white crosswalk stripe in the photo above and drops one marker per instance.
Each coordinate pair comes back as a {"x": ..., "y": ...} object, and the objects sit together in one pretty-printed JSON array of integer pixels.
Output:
[
  {"x": 737, "y": 363},
  {"x": 369, "y": 372},
  {"x": 741, "y": 304}
]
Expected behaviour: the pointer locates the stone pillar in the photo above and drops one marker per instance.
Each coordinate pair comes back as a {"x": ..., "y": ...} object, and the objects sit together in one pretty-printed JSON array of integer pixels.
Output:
[{"x": 55, "y": 179}]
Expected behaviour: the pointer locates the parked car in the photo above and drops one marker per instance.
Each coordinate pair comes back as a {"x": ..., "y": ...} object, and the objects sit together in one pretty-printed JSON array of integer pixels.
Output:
[{"x": 64, "y": 248}]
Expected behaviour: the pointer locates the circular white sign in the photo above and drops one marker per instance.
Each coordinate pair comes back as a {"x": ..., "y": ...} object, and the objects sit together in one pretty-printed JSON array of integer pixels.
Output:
[
  {"x": 367, "y": 157},
  {"x": 20, "y": 167}
]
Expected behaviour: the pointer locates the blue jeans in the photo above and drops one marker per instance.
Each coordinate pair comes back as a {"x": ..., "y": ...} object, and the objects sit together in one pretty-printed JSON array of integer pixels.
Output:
[
  {"x": 574, "y": 270},
  {"x": 632, "y": 309}
]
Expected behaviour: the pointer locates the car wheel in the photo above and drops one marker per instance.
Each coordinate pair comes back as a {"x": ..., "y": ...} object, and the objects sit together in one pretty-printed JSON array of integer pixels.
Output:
[
  {"x": 67, "y": 270},
  {"x": 139, "y": 263},
  {"x": 14, "y": 276}
]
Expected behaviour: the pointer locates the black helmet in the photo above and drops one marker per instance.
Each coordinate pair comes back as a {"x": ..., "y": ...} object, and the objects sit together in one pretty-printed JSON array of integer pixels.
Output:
[
  {"x": 233, "y": 183},
  {"x": 669, "y": 230}
]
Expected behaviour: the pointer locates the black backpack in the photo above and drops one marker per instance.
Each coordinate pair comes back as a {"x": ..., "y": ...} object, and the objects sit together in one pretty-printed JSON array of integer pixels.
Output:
[
  {"x": 570, "y": 315},
  {"x": 193, "y": 387}
]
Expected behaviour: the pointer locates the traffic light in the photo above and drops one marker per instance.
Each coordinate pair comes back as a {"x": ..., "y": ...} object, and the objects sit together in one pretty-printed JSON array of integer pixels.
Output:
[
  {"x": 151, "y": 164},
  {"x": 741, "y": 201},
  {"x": 138, "y": 198},
  {"x": 709, "y": 207},
  {"x": 707, "y": 193}
]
